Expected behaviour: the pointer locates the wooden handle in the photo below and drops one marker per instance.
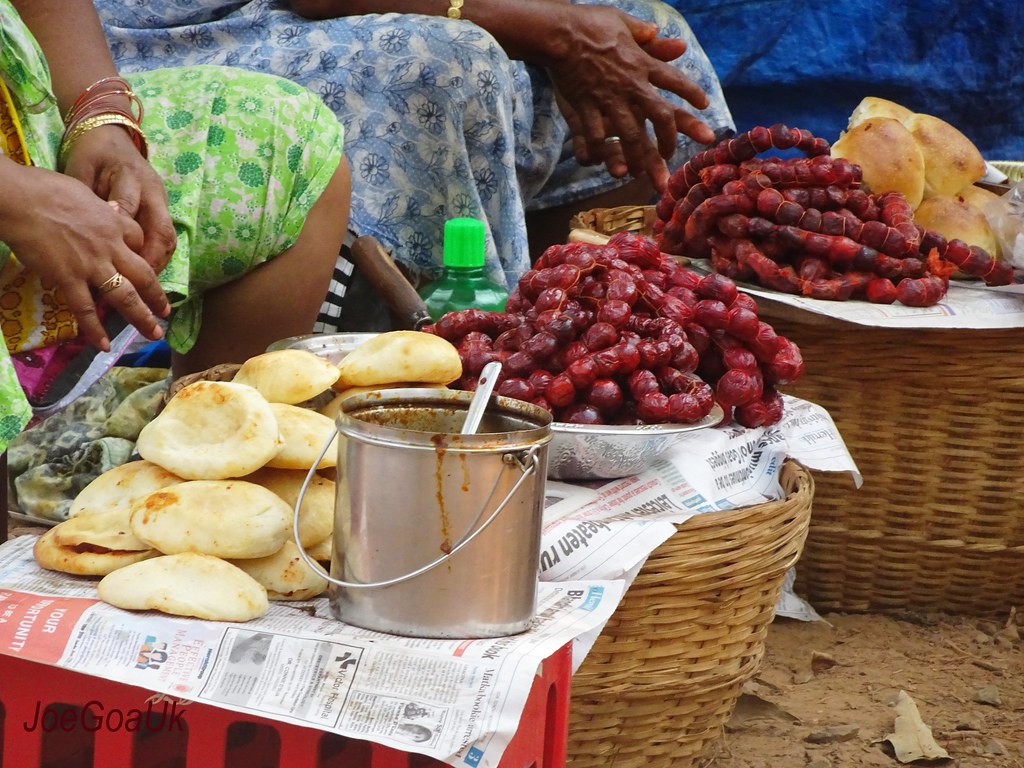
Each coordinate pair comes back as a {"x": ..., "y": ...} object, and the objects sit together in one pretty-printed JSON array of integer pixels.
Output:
[{"x": 397, "y": 292}]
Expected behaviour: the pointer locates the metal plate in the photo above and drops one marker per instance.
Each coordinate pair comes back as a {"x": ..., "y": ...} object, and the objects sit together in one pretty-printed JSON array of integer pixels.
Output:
[{"x": 331, "y": 346}]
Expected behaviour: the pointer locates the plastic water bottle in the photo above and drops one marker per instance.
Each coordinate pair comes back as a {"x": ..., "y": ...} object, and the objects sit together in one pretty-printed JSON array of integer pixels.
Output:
[{"x": 463, "y": 283}]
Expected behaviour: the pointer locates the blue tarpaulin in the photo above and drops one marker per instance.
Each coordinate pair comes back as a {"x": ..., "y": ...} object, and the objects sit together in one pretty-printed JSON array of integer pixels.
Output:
[{"x": 809, "y": 64}]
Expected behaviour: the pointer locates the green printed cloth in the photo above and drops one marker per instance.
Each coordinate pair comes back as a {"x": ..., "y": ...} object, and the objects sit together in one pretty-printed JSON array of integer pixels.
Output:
[{"x": 49, "y": 463}]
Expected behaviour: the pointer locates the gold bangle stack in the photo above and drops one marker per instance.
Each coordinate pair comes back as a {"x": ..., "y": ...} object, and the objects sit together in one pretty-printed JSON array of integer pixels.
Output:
[
  {"x": 455, "y": 9},
  {"x": 102, "y": 104},
  {"x": 78, "y": 129}
]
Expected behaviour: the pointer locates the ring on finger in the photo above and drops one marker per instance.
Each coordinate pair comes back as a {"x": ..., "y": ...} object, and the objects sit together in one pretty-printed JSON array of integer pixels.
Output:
[
  {"x": 613, "y": 140},
  {"x": 111, "y": 283}
]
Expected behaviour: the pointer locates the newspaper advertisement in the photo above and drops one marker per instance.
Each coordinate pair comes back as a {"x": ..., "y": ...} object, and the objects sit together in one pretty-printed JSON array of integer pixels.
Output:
[{"x": 459, "y": 701}]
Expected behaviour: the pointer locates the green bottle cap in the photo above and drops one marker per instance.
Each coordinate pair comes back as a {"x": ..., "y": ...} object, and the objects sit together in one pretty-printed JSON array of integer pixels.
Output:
[{"x": 464, "y": 243}]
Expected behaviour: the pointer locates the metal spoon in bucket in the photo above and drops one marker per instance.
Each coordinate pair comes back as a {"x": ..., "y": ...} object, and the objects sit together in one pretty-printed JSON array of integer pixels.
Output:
[{"x": 484, "y": 387}]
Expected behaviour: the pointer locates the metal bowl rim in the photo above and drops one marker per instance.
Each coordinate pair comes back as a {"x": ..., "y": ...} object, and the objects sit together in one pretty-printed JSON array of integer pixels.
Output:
[{"x": 637, "y": 430}]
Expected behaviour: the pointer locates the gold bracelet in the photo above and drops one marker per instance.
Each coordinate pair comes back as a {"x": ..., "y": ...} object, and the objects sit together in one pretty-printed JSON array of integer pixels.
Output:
[
  {"x": 77, "y": 130},
  {"x": 455, "y": 9}
]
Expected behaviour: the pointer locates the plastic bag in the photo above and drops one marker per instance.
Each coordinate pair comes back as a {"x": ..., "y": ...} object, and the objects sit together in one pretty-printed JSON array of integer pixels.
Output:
[{"x": 1006, "y": 218}]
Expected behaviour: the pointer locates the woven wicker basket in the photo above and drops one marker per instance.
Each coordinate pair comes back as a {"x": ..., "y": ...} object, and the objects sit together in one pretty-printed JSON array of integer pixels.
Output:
[
  {"x": 609, "y": 221},
  {"x": 1014, "y": 169},
  {"x": 934, "y": 420},
  {"x": 663, "y": 677}
]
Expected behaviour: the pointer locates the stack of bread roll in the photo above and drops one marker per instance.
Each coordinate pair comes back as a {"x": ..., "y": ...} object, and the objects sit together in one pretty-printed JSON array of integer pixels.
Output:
[
  {"x": 930, "y": 162},
  {"x": 202, "y": 525}
]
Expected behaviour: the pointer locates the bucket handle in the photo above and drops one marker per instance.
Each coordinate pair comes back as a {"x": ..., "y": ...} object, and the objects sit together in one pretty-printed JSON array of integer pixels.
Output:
[{"x": 528, "y": 463}]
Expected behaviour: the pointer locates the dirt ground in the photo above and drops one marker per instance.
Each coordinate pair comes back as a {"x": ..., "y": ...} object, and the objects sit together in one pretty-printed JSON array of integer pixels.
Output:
[{"x": 825, "y": 695}]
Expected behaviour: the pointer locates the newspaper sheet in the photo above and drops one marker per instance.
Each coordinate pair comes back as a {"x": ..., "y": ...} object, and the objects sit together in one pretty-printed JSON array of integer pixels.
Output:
[
  {"x": 967, "y": 304},
  {"x": 459, "y": 701}
]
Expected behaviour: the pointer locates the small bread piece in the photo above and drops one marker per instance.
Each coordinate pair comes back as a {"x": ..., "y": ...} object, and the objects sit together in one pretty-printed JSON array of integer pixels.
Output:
[
  {"x": 400, "y": 356},
  {"x": 304, "y": 433},
  {"x": 953, "y": 217},
  {"x": 889, "y": 157},
  {"x": 316, "y": 515},
  {"x": 212, "y": 430},
  {"x": 85, "y": 559},
  {"x": 288, "y": 375},
  {"x": 873, "y": 106},
  {"x": 322, "y": 552},
  {"x": 285, "y": 574},
  {"x": 117, "y": 487},
  {"x": 951, "y": 161},
  {"x": 186, "y": 584},
  {"x": 224, "y": 518},
  {"x": 109, "y": 529}
]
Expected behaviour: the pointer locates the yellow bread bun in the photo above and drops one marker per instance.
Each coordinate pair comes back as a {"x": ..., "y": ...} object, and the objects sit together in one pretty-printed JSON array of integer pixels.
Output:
[
  {"x": 224, "y": 518},
  {"x": 954, "y": 218},
  {"x": 115, "y": 488},
  {"x": 316, "y": 515},
  {"x": 400, "y": 356},
  {"x": 288, "y": 375},
  {"x": 284, "y": 574},
  {"x": 304, "y": 433},
  {"x": 889, "y": 157},
  {"x": 873, "y": 106},
  {"x": 84, "y": 559},
  {"x": 186, "y": 584},
  {"x": 951, "y": 161},
  {"x": 212, "y": 430}
]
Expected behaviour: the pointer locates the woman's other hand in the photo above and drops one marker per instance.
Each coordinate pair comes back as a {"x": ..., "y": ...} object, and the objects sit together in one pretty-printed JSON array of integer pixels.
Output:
[
  {"x": 607, "y": 72},
  {"x": 107, "y": 161},
  {"x": 73, "y": 239}
]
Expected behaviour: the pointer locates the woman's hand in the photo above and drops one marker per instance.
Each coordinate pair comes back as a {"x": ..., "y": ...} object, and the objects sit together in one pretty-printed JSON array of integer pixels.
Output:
[
  {"x": 74, "y": 239},
  {"x": 607, "y": 79},
  {"x": 106, "y": 160}
]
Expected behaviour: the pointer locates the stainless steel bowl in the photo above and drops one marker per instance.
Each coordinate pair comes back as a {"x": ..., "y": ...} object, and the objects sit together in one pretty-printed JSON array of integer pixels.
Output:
[{"x": 606, "y": 452}]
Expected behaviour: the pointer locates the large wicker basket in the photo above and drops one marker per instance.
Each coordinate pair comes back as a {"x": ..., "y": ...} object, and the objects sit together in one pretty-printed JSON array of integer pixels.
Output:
[
  {"x": 934, "y": 419},
  {"x": 663, "y": 677}
]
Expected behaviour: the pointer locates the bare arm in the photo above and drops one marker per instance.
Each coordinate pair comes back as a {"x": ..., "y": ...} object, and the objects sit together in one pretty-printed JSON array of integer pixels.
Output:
[
  {"x": 65, "y": 227},
  {"x": 71, "y": 37},
  {"x": 608, "y": 69}
]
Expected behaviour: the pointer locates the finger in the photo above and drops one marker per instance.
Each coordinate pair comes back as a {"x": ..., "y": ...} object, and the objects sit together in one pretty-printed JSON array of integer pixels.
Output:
[
  {"x": 694, "y": 127},
  {"x": 119, "y": 293},
  {"x": 145, "y": 283},
  {"x": 636, "y": 145},
  {"x": 161, "y": 240},
  {"x": 572, "y": 120},
  {"x": 125, "y": 194},
  {"x": 665, "y": 48},
  {"x": 82, "y": 305},
  {"x": 614, "y": 159},
  {"x": 668, "y": 78},
  {"x": 643, "y": 32},
  {"x": 592, "y": 129}
]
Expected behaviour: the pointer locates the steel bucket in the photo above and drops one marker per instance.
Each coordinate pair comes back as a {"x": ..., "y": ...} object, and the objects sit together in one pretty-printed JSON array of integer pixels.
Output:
[{"x": 437, "y": 534}]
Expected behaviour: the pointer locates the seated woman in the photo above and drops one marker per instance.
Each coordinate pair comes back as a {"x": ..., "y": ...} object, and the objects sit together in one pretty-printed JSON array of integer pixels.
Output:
[
  {"x": 501, "y": 114},
  {"x": 223, "y": 241}
]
